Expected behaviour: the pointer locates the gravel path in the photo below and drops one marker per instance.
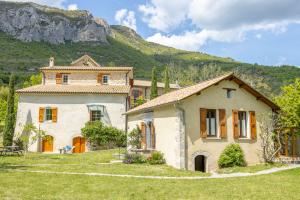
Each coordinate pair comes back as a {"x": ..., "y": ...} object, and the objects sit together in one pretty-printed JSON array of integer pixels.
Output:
[{"x": 213, "y": 176}]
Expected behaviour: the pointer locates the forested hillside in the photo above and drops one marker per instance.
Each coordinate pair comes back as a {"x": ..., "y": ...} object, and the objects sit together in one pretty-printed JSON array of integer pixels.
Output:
[{"x": 127, "y": 48}]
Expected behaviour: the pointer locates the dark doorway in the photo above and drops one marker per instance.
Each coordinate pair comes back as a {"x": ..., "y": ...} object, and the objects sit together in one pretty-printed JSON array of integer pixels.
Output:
[{"x": 200, "y": 163}]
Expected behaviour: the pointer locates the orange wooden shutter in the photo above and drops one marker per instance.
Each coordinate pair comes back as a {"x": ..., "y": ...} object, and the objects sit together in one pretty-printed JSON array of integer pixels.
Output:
[
  {"x": 143, "y": 129},
  {"x": 153, "y": 135},
  {"x": 58, "y": 78},
  {"x": 203, "y": 130},
  {"x": 252, "y": 125},
  {"x": 222, "y": 123},
  {"x": 54, "y": 114},
  {"x": 131, "y": 81},
  {"x": 99, "y": 78},
  {"x": 41, "y": 114},
  {"x": 235, "y": 124}
]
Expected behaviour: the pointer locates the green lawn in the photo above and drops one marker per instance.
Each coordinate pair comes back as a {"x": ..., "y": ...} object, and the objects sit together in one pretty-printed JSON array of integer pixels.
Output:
[
  {"x": 26, "y": 185},
  {"x": 250, "y": 169}
]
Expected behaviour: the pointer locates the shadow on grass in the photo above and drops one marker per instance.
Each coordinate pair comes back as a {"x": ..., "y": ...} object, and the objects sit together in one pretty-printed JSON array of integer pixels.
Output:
[{"x": 6, "y": 167}]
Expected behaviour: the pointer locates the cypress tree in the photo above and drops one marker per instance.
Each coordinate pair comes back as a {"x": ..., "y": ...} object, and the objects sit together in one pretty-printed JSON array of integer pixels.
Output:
[
  {"x": 9, "y": 127},
  {"x": 154, "y": 93},
  {"x": 167, "y": 80}
]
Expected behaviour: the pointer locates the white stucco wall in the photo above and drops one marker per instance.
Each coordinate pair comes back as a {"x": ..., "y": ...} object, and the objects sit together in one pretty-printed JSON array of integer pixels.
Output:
[
  {"x": 87, "y": 78},
  {"x": 215, "y": 98},
  {"x": 72, "y": 114},
  {"x": 166, "y": 125}
]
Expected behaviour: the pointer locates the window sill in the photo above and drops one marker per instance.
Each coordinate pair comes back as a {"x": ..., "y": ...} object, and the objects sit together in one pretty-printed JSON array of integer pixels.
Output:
[{"x": 213, "y": 138}]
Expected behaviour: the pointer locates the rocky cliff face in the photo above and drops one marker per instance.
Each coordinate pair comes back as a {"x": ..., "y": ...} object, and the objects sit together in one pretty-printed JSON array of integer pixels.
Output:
[{"x": 32, "y": 22}]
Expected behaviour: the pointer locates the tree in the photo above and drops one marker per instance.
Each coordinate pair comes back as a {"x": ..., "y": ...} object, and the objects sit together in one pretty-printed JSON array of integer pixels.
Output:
[
  {"x": 167, "y": 80},
  {"x": 30, "y": 134},
  {"x": 154, "y": 92},
  {"x": 139, "y": 101},
  {"x": 8, "y": 132},
  {"x": 289, "y": 102},
  {"x": 135, "y": 138},
  {"x": 33, "y": 80},
  {"x": 270, "y": 137}
]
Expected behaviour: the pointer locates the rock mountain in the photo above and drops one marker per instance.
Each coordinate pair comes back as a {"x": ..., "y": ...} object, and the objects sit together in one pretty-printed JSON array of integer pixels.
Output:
[{"x": 32, "y": 22}]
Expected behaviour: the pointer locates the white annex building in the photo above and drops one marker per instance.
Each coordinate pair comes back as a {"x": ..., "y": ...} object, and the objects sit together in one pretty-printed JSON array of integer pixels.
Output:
[{"x": 70, "y": 96}]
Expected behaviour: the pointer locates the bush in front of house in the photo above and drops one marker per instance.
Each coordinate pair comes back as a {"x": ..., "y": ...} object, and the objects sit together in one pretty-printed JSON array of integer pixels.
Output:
[
  {"x": 232, "y": 156},
  {"x": 134, "y": 158},
  {"x": 156, "y": 158},
  {"x": 102, "y": 135}
]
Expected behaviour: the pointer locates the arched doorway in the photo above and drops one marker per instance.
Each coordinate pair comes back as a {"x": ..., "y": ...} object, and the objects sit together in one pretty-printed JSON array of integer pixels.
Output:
[
  {"x": 79, "y": 145},
  {"x": 47, "y": 144},
  {"x": 200, "y": 163}
]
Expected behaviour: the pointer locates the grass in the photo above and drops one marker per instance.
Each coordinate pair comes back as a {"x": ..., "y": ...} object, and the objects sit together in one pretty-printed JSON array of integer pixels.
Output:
[
  {"x": 250, "y": 169},
  {"x": 26, "y": 185}
]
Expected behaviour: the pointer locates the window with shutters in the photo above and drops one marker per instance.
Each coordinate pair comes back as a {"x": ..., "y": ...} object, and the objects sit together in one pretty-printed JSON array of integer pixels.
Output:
[
  {"x": 242, "y": 116},
  {"x": 105, "y": 79},
  {"x": 96, "y": 115},
  {"x": 211, "y": 123},
  {"x": 48, "y": 114},
  {"x": 65, "y": 79}
]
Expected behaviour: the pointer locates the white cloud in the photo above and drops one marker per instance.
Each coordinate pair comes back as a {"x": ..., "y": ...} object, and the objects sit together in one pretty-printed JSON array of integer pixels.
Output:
[
  {"x": 54, "y": 3},
  {"x": 164, "y": 15},
  {"x": 217, "y": 20},
  {"x": 72, "y": 7},
  {"x": 126, "y": 18}
]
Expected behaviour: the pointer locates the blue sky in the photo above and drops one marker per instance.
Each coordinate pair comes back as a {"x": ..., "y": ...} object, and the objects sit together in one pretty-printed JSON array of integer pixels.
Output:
[{"x": 255, "y": 31}]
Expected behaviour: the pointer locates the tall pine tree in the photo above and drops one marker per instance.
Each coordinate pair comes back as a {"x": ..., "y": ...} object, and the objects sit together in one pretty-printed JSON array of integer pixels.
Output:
[
  {"x": 167, "y": 80},
  {"x": 154, "y": 93},
  {"x": 8, "y": 132}
]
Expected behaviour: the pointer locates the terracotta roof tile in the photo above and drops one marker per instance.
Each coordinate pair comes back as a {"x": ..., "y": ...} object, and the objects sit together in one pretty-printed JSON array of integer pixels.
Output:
[
  {"x": 183, "y": 93},
  {"x": 86, "y": 89},
  {"x": 86, "y": 68}
]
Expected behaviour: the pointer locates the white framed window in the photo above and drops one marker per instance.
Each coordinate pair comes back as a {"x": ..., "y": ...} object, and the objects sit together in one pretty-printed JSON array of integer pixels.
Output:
[
  {"x": 48, "y": 114},
  {"x": 96, "y": 115},
  {"x": 65, "y": 79},
  {"x": 105, "y": 79},
  {"x": 211, "y": 123},
  {"x": 243, "y": 125}
]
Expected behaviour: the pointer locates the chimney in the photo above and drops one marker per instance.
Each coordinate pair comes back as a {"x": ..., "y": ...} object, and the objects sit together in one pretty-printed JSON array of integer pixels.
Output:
[{"x": 51, "y": 62}]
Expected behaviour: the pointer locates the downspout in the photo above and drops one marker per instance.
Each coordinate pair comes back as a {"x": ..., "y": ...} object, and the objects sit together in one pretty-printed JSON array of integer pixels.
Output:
[
  {"x": 127, "y": 102},
  {"x": 43, "y": 78},
  {"x": 183, "y": 137}
]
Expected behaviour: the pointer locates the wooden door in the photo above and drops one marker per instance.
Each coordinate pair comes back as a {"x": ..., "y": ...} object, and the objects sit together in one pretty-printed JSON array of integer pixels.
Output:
[
  {"x": 79, "y": 145},
  {"x": 47, "y": 144}
]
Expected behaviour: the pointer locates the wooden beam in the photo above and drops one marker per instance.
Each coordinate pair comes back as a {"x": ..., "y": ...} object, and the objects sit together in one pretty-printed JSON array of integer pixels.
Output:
[{"x": 241, "y": 85}]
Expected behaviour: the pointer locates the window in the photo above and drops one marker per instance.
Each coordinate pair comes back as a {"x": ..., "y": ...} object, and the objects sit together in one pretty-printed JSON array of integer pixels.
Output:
[
  {"x": 136, "y": 94},
  {"x": 242, "y": 124},
  {"x": 48, "y": 114},
  {"x": 229, "y": 94},
  {"x": 211, "y": 123},
  {"x": 105, "y": 79},
  {"x": 96, "y": 115},
  {"x": 65, "y": 78}
]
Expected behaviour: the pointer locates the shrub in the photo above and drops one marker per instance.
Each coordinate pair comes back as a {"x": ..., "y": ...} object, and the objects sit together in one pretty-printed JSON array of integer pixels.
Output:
[
  {"x": 134, "y": 158},
  {"x": 156, "y": 158},
  {"x": 98, "y": 133},
  {"x": 232, "y": 156},
  {"x": 135, "y": 138}
]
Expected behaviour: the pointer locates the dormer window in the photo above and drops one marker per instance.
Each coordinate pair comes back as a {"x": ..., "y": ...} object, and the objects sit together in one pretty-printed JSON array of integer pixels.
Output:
[
  {"x": 105, "y": 79},
  {"x": 65, "y": 78}
]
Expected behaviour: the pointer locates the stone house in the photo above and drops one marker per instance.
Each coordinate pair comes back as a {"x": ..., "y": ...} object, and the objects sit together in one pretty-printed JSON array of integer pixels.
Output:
[{"x": 193, "y": 125}]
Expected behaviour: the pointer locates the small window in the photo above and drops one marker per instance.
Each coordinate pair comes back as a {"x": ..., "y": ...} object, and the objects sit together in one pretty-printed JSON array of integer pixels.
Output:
[
  {"x": 48, "y": 114},
  {"x": 211, "y": 123},
  {"x": 243, "y": 124},
  {"x": 105, "y": 79},
  {"x": 96, "y": 115},
  {"x": 229, "y": 94},
  {"x": 136, "y": 94},
  {"x": 65, "y": 78}
]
